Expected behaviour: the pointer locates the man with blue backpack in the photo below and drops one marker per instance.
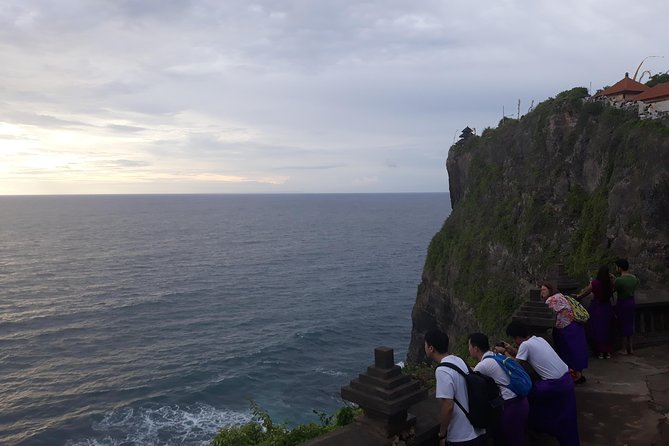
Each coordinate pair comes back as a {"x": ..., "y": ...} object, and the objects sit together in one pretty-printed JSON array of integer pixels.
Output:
[{"x": 514, "y": 384}]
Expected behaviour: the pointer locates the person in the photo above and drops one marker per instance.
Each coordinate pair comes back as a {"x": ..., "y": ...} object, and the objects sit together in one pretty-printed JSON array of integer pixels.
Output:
[
  {"x": 455, "y": 428},
  {"x": 601, "y": 312},
  {"x": 552, "y": 399},
  {"x": 511, "y": 429},
  {"x": 568, "y": 335},
  {"x": 625, "y": 286}
]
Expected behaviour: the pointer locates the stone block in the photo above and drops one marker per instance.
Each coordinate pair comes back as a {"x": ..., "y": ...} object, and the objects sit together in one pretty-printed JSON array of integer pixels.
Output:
[
  {"x": 383, "y": 393},
  {"x": 384, "y": 373},
  {"x": 384, "y": 358},
  {"x": 389, "y": 383}
]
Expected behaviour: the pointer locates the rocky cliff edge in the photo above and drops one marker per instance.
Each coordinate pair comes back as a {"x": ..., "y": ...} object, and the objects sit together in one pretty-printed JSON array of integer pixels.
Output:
[{"x": 575, "y": 182}]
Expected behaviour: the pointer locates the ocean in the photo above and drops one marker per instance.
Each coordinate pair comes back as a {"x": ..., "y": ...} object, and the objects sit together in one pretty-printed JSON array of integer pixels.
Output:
[{"x": 155, "y": 319}]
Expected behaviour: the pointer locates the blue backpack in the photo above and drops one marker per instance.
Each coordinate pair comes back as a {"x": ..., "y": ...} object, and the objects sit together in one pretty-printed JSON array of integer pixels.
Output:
[{"x": 520, "y": 382}]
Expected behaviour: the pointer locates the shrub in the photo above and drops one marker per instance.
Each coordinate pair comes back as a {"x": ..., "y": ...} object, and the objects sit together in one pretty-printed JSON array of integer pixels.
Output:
[{"x": 262, "y": 431}]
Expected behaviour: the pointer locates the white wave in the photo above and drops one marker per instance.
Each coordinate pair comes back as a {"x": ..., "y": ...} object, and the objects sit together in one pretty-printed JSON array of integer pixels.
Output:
[
  {"x": 165, "y": 426},
  {"x": 94, "y": 442},
  {"x": 329, "y": 372}
]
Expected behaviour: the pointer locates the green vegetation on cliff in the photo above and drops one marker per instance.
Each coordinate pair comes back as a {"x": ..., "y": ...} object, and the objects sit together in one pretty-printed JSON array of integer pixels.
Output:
[
  {"x": 262, "y": 431},
  {"x": 574, "y": 181},
  {"x": 658, "y": 78}
]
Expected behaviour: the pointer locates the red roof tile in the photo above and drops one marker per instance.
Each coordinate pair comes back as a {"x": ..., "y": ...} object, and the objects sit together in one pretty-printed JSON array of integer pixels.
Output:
[
  {"x": 655, "y": 93},
  {"x": 626, "y": 85}
]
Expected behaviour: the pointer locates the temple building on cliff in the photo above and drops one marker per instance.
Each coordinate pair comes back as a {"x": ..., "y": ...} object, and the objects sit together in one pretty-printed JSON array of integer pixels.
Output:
[
  {"x": 654, "y": 102},
  {"x": 623, "y": 90},
  {"x": 651, "y": 102}
]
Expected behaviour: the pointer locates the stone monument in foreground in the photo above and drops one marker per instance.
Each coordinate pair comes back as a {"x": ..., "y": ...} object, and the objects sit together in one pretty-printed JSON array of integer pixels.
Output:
[{"x": 384, "y": 393}]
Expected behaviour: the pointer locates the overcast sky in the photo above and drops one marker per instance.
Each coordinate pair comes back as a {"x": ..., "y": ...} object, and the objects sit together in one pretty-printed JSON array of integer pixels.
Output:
[{"x": 236, "y": 96}]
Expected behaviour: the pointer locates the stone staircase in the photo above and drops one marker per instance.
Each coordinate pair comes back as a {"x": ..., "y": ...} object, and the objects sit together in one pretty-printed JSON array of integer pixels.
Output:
[{"x": 535, "y": 314}]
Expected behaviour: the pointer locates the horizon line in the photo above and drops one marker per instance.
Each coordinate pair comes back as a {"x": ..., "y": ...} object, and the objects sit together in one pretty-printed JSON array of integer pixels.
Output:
[{"x": 221, "y": 193}]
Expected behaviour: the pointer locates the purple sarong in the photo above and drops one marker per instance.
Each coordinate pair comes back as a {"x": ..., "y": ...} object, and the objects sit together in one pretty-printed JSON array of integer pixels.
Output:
[
  {"x": 514, "y": 421},
  {"x": 600, "y": 326},
  {"x": 625, "y": 310},
  {"x": 572, "y": 346},
  {"x": 553, "y": 409}
]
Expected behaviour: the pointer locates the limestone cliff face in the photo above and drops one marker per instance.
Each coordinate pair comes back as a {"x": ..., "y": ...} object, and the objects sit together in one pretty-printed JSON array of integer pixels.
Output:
[{"x": 572, "y": 182}]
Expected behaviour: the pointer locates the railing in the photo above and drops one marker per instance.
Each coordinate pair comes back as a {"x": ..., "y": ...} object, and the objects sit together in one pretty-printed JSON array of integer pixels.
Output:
[
  {"x": 652, "y": 313},
  {"x": 652, "y": 318}
]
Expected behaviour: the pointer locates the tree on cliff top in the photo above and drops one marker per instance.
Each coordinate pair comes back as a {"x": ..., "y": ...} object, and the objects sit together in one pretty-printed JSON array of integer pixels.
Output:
[{"x": 659, "y": 78}]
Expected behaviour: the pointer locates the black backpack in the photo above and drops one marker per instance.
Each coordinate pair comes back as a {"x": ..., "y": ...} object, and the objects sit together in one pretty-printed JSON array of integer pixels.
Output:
[{"x": 485, "y": 399}]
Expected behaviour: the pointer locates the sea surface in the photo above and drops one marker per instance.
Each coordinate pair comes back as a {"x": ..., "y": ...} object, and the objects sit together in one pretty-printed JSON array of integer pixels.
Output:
[{"x": 153, "y": 320}]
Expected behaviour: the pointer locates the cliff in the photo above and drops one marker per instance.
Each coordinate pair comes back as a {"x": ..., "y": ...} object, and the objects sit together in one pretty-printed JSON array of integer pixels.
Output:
[{"x": 574, "y": 182}]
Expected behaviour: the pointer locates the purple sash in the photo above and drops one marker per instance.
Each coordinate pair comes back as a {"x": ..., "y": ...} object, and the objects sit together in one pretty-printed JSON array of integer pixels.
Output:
[
  {"x": 514, "y": 421},
  {"x": 625, "y": 310},
  {"x": 600, "y": 326},
  {"x": 572, "y": 346},
  {"x": 553, "y": 409}
]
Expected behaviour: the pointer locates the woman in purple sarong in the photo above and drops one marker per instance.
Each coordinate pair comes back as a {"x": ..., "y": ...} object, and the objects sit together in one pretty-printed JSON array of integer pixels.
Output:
[
  {"x": 569, "y": 335},
  {"x": 601, "y": 312}
]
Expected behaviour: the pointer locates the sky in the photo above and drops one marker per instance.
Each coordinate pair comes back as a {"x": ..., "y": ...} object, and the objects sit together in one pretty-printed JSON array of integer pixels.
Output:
[{"x": 293, "y": 96}]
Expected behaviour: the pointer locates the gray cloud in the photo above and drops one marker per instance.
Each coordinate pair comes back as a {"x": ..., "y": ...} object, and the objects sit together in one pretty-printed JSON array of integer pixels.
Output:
[
  {"x": 40, "y": 120},
  {"x": 338, "y": 96},
  {"x": 124, "y": 163},
  {"x": 125, "y": 128},
  {"x": 321, "y": 167}
]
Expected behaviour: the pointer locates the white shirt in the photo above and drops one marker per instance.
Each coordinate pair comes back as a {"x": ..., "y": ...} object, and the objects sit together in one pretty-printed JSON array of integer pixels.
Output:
[
  {"x": 490, "y": 367},
  {"x": 541, "y": 356},
  {"x": 451, "y": 385}
]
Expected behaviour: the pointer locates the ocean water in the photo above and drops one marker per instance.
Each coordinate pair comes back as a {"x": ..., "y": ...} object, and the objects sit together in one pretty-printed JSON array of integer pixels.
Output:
[{"x": 153, "y": 320}]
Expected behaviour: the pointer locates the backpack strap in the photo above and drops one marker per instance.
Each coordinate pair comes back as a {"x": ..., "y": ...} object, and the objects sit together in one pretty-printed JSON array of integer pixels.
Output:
[
  {"x": 499, "y": 362},
  {"x": 459, "y": 370}
]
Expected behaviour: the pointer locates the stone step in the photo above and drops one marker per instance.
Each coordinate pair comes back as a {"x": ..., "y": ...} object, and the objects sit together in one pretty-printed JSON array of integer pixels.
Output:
[
  {"x": 532, "y": 316},
  {"x": 539, "y": 310},
  {"x": 542, "y": 315},
  {"x": 541, "y": 307},
  {"x": 375, "y": 404},
  {"x": 535, "y": 321},
  {"x": 390, "y": 383},
  {"x": 385, "y": 393},
  {"x": 521, "y": 315},
  {"x": 537, "y": 304}
]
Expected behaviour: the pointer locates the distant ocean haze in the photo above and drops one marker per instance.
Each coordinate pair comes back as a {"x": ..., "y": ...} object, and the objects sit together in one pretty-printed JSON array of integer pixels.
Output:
[{"x": 152, "y": 320}]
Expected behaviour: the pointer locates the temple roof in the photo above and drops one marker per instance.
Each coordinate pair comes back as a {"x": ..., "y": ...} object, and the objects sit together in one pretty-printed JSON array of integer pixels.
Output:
[
  {"x": 657, "y": 92},
  {"x": 625, "y": 85}
]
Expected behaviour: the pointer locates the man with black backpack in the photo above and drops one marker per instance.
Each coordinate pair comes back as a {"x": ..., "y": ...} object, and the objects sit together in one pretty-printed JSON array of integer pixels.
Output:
[
  {"x": 455, "y": 427},
  {"x": 514, "y": 384}
]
